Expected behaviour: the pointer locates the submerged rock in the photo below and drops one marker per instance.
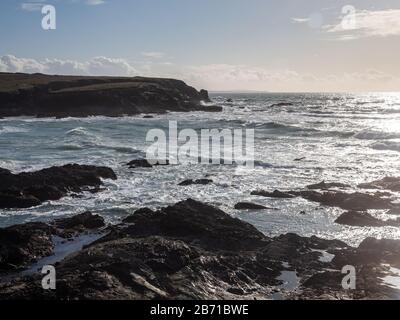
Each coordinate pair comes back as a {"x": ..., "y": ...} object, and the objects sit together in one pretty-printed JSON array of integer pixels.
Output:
[
  {"x": 249, "y": 206},
  {"x": 325, "y": 186},
  {"x": 191, "y": 182},
  {"x": 29, "y": 189},
  {"x": 275, "y": 194},
  {"x": 143, "y": 163},
  {"x": 388, "y": 183},
  {"x": 363, "y": 219}
]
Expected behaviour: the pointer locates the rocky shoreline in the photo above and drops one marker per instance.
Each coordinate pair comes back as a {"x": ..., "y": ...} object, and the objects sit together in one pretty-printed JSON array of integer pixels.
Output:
[
  {"x": 42, "y": 95},
  {"x": 192, "y": 250}
]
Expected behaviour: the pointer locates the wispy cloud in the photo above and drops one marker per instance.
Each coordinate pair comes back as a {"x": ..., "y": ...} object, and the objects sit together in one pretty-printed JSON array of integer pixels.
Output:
[
  {"x": 95, "y": 2},
  {"x": 33, "y": 5},
  {"x": 300, "y": 20},
  {"x": 153, "y": 55},
  {"x": 381, "y": 23}
]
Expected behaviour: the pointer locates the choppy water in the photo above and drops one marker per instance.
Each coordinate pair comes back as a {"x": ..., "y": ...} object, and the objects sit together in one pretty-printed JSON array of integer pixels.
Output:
[{"x": 350, "y": 138}]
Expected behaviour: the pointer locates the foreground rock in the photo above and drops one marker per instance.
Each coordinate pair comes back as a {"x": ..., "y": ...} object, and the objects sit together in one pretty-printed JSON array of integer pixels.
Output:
[
  {"x": 28, "y": 189},
  {"x": 22, "y": 245},
  {"x": 194, "y": 251},
  {"x": 72, "y": 96}
]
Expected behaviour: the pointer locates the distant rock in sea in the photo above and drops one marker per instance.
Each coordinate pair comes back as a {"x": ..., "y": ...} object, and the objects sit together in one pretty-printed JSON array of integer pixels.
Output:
[{"x": 42, "y": 95}]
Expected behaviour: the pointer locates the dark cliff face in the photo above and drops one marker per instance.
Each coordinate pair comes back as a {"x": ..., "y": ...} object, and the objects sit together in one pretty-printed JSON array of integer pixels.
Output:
[{"x": 69, "y": 96}]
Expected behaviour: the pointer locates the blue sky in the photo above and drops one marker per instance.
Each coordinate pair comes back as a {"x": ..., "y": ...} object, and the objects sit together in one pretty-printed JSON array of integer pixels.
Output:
[{"x": 287, "y": 45}]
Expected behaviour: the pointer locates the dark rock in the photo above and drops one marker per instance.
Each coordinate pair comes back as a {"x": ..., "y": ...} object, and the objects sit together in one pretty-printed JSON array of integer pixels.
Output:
[
  {"x": 148, "y": 117},
  {"x": 349, "y": 201},
  {"x": 72, "y": 96},
  {"x": 249, "y": 206},
  {"x": 22, "y": 245},
  {"x": 281, "y": 104},
  {"x": 193, "y": 221},
  {"x": 143, "y": 212},
  {"x": 388, "y": 183},
  {"x": 300, "y": 159},
  {"x": 199, "y": 182},
  {"x": 275, "y": 194},
  {"x": 85, "y": 220},
  {"x": 363, "y": 219},
  {"x": 29, "y": 189},
  {"x": 325, "y": 186},
  {"x": 194, "y": 251},
  {"x": 143, "y": 163}
]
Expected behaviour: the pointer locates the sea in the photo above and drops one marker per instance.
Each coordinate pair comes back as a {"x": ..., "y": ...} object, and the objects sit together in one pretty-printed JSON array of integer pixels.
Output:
[{"x": 307, "y": 138}]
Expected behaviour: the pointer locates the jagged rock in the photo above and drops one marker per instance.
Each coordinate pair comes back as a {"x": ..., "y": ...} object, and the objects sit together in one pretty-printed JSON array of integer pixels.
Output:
[
  {"x": 29, "y": 189},
  {"x": 194, "y": 251},
  {"x": 143, "y": 163},
  {"x": 281, "y": 104},
  {"x": 349, "y": 201},
  {"x": 275, "y": 194},
  {"x": 249, "y": 206},
  {"x": 363, "y": 219},
  {"x": 388, "y": 183},
  {"x": 21, "y": 245},
  {"x": 73, "y": 96},
  {"x": 199, "y": 182},
  {"x": 325, "y": 186}
]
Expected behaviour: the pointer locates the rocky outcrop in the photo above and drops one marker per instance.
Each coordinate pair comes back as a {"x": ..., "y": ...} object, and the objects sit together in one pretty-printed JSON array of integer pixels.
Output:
[
  {"x": 325, "y": 186},
  {"x": 69, "y": 96},
  {"x": 28, "y": 189},
  {"x": 194, "y": 251}
]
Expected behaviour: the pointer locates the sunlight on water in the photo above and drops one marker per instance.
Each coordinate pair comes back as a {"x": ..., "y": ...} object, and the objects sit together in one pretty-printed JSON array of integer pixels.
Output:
[{"x": 339, "y": 137}]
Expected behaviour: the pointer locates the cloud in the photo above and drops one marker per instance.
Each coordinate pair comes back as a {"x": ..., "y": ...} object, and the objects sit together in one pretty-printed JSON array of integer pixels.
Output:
[
  {"x": 301, "y": 20},
  {"x": 95, "y": 66},
  {"x": 153, "y": 55},
  {"x": 33, "y": 5},
  {"x": 365, "y": 23},
  {"x": 211, "y": 76},
  {"x": 95, "y": 2}
]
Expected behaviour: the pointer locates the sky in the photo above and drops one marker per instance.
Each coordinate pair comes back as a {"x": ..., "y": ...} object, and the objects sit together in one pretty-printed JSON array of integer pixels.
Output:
[{"x": 219, "y": 45}]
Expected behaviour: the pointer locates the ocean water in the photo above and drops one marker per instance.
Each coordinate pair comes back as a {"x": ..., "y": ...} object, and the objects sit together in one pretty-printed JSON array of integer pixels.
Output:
[{"x": 348, "y": 138}]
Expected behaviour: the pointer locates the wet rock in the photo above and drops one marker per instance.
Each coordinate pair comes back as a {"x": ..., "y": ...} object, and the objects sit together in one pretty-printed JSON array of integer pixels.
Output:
[
  {"x": 29, "y": 189},
  {"x": 275, "y": 194},
  {"x": 387, "y": 183},
  {"x": 22, "y": 245},
  {"x": 148, "y": 117},
  {"x": 300, "y": 159},
  {"x": 349, "y": 201},
  {"x": 281, "y": 104},
  {"x": 325, "y": 186},
  {"x": 192, "y": 182},
  {"x": 363, "y": 219},
  {"x": 80, "y": 222},
  {"x": 194, "y": 251},
  {"x": 193, "y": 221},
  {"x": 249, "y": 206},
  {"x": 143, "y": 212},
  {"x": 143, "y": 163}
]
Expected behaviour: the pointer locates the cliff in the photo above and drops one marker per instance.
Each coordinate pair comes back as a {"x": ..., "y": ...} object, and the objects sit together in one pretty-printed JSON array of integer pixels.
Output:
[{"x": 78, "y": 96}]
